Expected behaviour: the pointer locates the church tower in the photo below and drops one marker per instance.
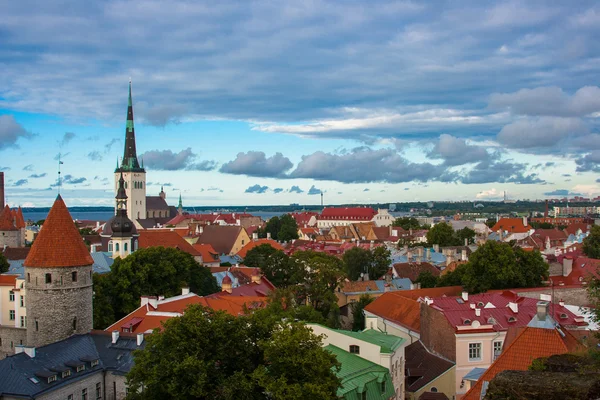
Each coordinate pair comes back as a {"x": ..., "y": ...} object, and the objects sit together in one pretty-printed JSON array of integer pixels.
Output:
[
  {"x": 180, "y": 206},
  {"x": 58, "y": 280},
  {"x": 134, "y": 176},
  {"x": 124, "y": 234}
]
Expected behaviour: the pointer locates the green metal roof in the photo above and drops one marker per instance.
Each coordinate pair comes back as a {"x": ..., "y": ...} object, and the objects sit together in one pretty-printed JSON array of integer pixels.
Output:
[
  {"x": 358, "y": 375},
  {"x": 388, "y": 343}
]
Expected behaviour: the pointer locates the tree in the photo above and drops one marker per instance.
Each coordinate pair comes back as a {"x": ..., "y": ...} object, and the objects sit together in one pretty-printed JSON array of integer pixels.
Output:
[
  {"x": 154, "y": 271},
  {"x": 358, "y": 318},
  {"x": 281, "y": 272},
  {"x": 211, "y": 354},
  {"x": 441, "y": 234},
  {"x": 273, "y": 226},
  {"x": 257, "y": 256},
  {"x": 356, "y": 261},
  {"x": 381, "y": 260},
  {"x": 427, "y": 279},
  {"x": 289, "y": 228},
  {"x": 4, "y": 264},
  {"x": 591, "y": 244},
  {"x": 407, "y": 223},
  {"x": 465, "y": 233}
]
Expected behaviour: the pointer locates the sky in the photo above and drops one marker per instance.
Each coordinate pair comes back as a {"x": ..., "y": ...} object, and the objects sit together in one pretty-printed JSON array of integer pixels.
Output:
[{"x": 262, "y": 102}]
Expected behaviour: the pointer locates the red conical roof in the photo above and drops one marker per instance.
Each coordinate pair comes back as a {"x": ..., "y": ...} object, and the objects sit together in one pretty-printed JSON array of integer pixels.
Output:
[
  {"x": 6, "y": 220},
  {"x": 59, "y": 243},
  {"x": 19, "y": 219}
]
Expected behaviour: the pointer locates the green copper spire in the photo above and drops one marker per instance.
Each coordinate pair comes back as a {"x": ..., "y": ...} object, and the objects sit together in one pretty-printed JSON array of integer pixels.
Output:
[
  {"x": 180, "y": 202},
  {"x": 130, "y": 161}
]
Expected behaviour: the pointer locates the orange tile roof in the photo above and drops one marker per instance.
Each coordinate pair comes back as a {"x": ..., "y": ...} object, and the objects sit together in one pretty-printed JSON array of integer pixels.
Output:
[
  {"x": 59, "y": 243},
  {"x": 19, "y": 220},
  {"x": 358, "y": 286},
  {"x": 402, "y": 307},
  {"x": 148, "y": 318},
  {"x": 530, "y": 343},
  {"x": 6, "y": 220},
  {"x": 8, "y": 280},
  {"x": 252, "y": 244},
  {"x": 171, "y": 239},
  {"x": 511, "y": 225},
  {"x": 207, "y": 252}
]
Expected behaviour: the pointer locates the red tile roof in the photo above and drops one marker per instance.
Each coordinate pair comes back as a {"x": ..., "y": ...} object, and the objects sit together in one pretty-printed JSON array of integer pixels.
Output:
[
  {"x": 347, "y": 213},
  {"x": 8, "y": 280},
  {"x": 254, "y": 243},
  {"x": 358, "y": 286},
  {"x": 7, "y": 220},
  {"x": 583, "y": 269},
  {"x": 171, "y": 239},
  {"x": 303, "y": 218},
  {"x": 511, "y": 225},
  {"x": 209, "y": 255},
  {"x": 19, "y": 220},
  {"x": 16, "y": 253},
  {"x": 573, "y": 228},
  {"x": 148, "y": 318},
  {"x": 252, "y": 289},
  {"x": 530, "y": 344},
  {"x": 412, "y": 270},
  {"x": 59, "y": 243}
]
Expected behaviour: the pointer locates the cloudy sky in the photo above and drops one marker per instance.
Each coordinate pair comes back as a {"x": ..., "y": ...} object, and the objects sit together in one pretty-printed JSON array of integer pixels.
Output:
[{"x": 261, "y": 102}]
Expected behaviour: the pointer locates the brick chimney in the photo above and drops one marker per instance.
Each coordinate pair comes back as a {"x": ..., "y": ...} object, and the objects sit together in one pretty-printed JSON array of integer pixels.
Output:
[{"x": 256, "y": 277}]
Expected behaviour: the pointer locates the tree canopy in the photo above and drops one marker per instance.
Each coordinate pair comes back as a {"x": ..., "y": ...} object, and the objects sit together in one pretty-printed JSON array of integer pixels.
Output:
[
  {"x": 4, "y": 265},
  {"x": 427, "y": 279},
  {"x": 591, "y": 244},
  {"x": 497, "y": 265},
  {"x": 257, "y": 256},
  {"x": 208, "y": 354},
  {"x": 441, "y": 234},
  {"x": 375, "y": 262},
  {"x": 282, "y": 228},
  {"x": 358, "y": 319},
  {"x": 154, "y": 271},
  {"x": 407, "y": 223}
]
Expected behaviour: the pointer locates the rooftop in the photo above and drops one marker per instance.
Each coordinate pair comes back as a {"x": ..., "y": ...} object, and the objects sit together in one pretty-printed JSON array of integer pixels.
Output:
[
  {"x": 388, "y": 343},
  {"x": 422, "y": 366}
]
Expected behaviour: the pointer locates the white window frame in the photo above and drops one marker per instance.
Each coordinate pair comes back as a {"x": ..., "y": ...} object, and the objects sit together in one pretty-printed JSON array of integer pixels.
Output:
[
  {"x": 472, "y": 359},
  {"x": 494, "y": 356}
]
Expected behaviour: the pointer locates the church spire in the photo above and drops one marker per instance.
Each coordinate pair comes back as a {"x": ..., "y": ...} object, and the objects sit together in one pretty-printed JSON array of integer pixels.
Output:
[
  {"x": 180, "y": 206},
  {"x": 130, "y": 161}
]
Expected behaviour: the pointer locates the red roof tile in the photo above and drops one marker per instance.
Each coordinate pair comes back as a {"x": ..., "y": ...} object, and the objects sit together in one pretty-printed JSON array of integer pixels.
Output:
[
  {"x": 16, "y": 253},
  {"x": 303, "y": 218},
  {"x": 347, "y": 213},
  {"x": 412, "y": 270},
  {"x": 512, "y": 225},
  {"x": 7, "y": 220},
  {"x": 253, "y": 243},
  {"x": 171, "y": 239},
  {"x": 59, "y": 243},
  {"x": 209, "y": 255},
  {"x": 530, "y": 344},
  {"x": 583, "y": 269},
  {"x": 19, "y": 220},
  {"x": 8, "y": 280},
  {"x": 573, "y": 228}
]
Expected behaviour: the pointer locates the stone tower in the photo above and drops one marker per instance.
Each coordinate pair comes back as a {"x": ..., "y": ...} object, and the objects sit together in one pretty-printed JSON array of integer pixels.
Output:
[
  {"x": 134, "y": 175},
  {"x": 58, "y": 279},
  {"x": 123, "y": 232}
]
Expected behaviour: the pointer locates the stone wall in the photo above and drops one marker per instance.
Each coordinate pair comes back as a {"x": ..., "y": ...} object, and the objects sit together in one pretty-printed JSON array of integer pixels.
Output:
[
  {"x": 436, "y": 333},
  {"x": 116, "y": 386},
  {"x": 58, "y": 309},
  {"x": 11, "y": 238},
  {"x": 9, "y": 338},
  {"x": 571, "y": 296}
]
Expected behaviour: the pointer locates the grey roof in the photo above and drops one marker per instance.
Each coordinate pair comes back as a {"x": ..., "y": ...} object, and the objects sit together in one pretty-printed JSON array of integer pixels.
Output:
[
  {"x": 149, "y": 223},
  {"x": 474, "y": 374},
  {"x": 16, "y": 370},
  {"x": 156, "y": 203},
  {"x": 102, "y": 262}
]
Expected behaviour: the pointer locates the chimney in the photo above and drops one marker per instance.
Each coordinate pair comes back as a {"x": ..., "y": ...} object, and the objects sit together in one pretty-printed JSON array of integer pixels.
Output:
[
  {"x": 143, "y": 300},
  {"x": 514, "y": 307},
  {"x": 567, "y": 266},
  {"x": 466, "y": 242},
  {"x": 465, "y": 296},
  {"x": 463, "y": 255},
  {"x": 405, "y": 248},
  {"x": 386, "y": 287},
  {"x": 200, "y": 229},
  {"x": 420, "y": 252},
  {"x": 268, "y": 235},
  {"x": 542, "y": 310},
  {"x": 409, "y": 255},
  {"x": 449, "y": 259},
  {"x": 478, "y": 312},
  {"x": 140, "y": 339},
  {"x": 226, "y": 285},
  {"x": 153, "y": 301},
  {"x": 2, "y": 190},
  {"x": 372, "y": 244},
  {"x": 115, "y": 336},
  {"x": 525, "y": 221},
  {"x": 254, "y": 236},
  {"x": 428, "y": 253},
  {"x": 256, "y": 277},
  {"x": 185, "y": 290}
]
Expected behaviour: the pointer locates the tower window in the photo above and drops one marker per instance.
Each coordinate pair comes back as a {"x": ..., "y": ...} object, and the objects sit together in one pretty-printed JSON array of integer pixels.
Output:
[
  {"x": 75, "y": 323},
  {"x": 48, "y": 278},
  {"x": 28, "y": 277},
  {"x": 37, "y": 325},
  {"x": 74, "y": 276}
]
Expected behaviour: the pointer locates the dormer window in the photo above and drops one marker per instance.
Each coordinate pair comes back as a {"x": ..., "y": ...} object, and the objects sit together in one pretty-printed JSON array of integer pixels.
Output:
[
  {"x": 80, "y": 368},
  {"x": 94, "y": 363},
  {"x": 512, "y": 319},
  {"x": 564, "y": 316},
  {"x": 66, "y": 373},
  {"x": 354, "y": 349},
  {"x": 467, "y": 321},
  {"x": 52, "y": 379},
  {"x": 480, "y": 304}
]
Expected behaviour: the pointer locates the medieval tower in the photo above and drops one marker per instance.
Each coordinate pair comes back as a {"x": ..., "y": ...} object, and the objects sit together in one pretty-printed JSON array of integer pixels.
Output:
[
  {"x": 124, "y": 235},
  {"x": 58, "y": 280},
  {"x": 134, "y": 175}
]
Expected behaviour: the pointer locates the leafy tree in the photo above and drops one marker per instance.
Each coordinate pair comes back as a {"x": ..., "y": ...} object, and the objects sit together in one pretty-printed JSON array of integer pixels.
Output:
[
  {"x": 591, "y": 244},
  {"x": 453, "y": 278},
  {"x": 381, "y": 259},
  {"x": 273, "y": 227},
  {"x": 281, "y": 272},
  {"x": 257, "y": 256},
  {"x": 356, "y": 261},
  {"x": 358, "y": 319},
  {"x": 211, "y": 354},
  {"x": 104, "y": 314},
  {"x": 490, "y": 222},
  {"x": 4, "y": 265},
  {"x": 427, "y": 280},
  {"x": 441, "y": 234},
  {"x": 87, "y": 231},
  {"x": 152, "y": 271},
  {"x": 465, "y": 233},
  {"x": 289, "y": 228},
  {"x": 406, "y": 223},
  {"x": 541, "y": 225}
]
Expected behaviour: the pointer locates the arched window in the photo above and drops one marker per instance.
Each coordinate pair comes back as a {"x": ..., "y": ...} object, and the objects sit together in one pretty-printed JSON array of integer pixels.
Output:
[
  {"x": 116, "y": 246},
  {"x": 433, "y": 389},
  {"x": 110, "y": 246}
]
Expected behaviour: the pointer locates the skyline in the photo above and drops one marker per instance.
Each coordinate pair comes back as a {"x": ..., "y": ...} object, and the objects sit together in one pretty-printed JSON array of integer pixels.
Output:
[{"x": 261, "y": 104}]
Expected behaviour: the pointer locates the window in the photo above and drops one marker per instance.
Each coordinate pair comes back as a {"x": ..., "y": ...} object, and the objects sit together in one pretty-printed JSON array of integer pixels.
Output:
[
  {"x": 433, "y": 389},
  {"x": 52, "y": 379},
  {"x": 23, "y": 323},
  {"x": 28, "y": 277},
  {"x": 383, "y": 387},
  {"x": 110, "y": 246},
  {"x": 364, "y": 395},
  {"x": 474, "y": 351},
  {"x": 11, "y": 296},
  {"x": 94, "y": 363},
  {"x": 66, "y": 374},
  {"x": 37, "y": 326},
  {"x": 124, "y": 246},
  {"x": 75, "y": 323},
  {"x": 74, "y": 276},
  {"x": 116, "y": 246},
  {"x": 98, "y": 390},
  {"x": 80, "y": 368},
  {"x": 497, "y": 349},
  {"x": 84, "y": 394},
  {"x": 11, "y": 314},
  {"x": 48, "y": 278},
  {"x": 70, "y": 397},
  {"x": 354, "y": 349}
]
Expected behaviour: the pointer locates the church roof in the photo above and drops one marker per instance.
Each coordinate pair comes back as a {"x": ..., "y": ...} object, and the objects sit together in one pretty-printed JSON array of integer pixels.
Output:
[
  {"x": 130, "y": 161},
  {"x": 156, "y": 203},
  {"x": 59, "y": 243}
]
